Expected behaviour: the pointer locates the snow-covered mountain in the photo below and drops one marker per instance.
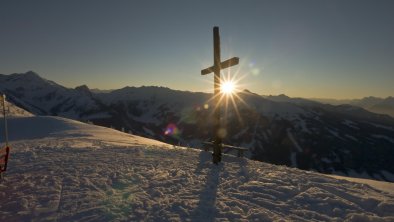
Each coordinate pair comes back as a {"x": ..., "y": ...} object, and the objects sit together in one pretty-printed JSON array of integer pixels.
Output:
[
  {"x": 340, "y": 139},
  {"x": 65, "y": 170},
  {"x": 44, "y": 97}
]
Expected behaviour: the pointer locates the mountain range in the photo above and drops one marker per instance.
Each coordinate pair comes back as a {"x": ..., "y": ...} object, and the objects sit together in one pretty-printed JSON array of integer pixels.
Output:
[
  {"x": 371, "y": 103},
  {"x": 340, "y": 139}
]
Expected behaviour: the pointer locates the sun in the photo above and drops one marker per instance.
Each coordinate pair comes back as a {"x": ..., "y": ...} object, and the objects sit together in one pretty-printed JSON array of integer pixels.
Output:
[
  {"x": 228, "y": 87},
  {"x": 229, "y": 94}
]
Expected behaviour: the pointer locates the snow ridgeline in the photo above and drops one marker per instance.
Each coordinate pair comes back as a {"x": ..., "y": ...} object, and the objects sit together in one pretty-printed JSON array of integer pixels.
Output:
[
  {"x": 64, "y": 170},
  {"x": 12, "y": 110}
]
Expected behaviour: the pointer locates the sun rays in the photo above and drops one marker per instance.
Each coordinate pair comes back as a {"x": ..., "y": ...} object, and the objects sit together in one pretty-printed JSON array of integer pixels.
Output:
[
  {"x": 229, "y": 96},
  {"x": 227, "y": 87}
]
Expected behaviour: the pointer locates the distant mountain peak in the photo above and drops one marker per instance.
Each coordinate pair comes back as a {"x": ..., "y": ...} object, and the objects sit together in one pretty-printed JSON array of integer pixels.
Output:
[
  {"x": 280, "y": 97},
  {"x": 246, "y": 91},
  {"x": 32, "y": 73},
  {"x": 31, "y": 77},
  {"x": 83, "y": 89},
  {"x": 283, "y": 96}
]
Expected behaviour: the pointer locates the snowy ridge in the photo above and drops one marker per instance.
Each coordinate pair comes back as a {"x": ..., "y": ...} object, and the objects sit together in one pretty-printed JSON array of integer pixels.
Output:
[
  {"x": 13, "y": 111},
  {"x": 71, "y": 171}
]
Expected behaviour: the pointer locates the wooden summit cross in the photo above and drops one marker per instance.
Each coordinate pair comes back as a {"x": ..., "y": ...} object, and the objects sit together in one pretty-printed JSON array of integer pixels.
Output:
[{"x": 217, "y": 66}]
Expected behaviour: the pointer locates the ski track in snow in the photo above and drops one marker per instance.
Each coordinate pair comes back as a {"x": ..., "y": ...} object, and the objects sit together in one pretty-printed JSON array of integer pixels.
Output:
[{"x": 82, "y": 178}]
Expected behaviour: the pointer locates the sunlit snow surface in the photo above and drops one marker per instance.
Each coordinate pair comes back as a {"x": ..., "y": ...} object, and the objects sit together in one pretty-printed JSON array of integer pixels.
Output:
[
  {"x": 64, "y": 170},
  {"x": 13, "y": 111}
]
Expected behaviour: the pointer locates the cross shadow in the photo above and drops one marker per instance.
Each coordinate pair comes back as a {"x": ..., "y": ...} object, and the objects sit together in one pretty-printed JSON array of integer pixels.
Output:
[
  {"x": 205, "y": 161},
  {"x": 206, "y": 209},
  {"x": 243, "y": 170}
]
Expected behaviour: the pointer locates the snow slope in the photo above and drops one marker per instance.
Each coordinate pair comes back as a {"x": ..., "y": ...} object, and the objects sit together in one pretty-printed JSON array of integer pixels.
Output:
[
  {"x": 64, "y": 170},
  {"x": 381, "y": 185},
  {"x": 13, "y": 111}
]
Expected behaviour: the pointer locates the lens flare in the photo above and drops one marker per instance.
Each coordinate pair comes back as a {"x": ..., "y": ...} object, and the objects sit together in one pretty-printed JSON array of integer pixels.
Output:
[{"x": 171, "y": 130}]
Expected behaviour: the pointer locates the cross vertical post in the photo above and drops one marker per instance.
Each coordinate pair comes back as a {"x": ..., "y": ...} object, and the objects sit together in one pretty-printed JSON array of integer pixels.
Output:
[
  {"x": 216, "y": 68},
  {"x": 217, "y": 149}
]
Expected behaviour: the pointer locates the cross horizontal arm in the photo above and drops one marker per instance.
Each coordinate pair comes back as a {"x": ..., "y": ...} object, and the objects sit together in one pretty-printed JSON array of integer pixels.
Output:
[
  {"x": 229, "y": 62},
  {"x": 207, "y": 70}
]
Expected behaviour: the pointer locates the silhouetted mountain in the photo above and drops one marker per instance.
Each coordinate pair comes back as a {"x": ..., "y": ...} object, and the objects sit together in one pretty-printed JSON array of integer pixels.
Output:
[
  {"x": 385, "y": 107},
  {"x": 366, "y": 102},
  {"x": 373, "y": 104},
  {"x": 284, "y": 98},
  {"x": 101, "y": 90},
  {"x": 84, "y": 89},
  {"x": 342, "y": 139}
]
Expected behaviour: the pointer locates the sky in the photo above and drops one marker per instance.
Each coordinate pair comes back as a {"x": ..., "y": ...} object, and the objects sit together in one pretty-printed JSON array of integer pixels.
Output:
[{"x": 320, "y": 49}]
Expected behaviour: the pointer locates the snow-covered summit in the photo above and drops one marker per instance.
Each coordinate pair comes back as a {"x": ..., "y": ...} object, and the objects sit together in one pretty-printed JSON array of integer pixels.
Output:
[
  {"x": 29, "y": 79},
  {"x": 66, "y": 170},
  {"x": 44, "y": 97}
]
